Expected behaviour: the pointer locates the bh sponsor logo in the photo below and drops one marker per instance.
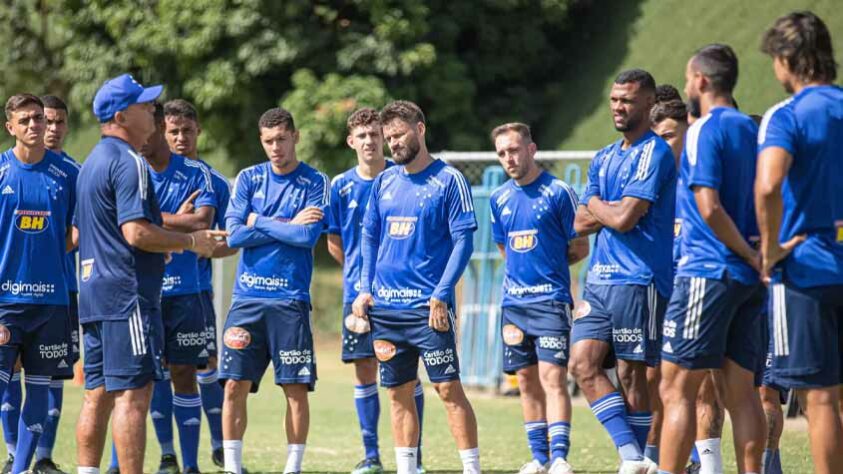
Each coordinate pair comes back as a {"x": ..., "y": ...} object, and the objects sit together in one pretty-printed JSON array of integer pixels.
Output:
[
  {"x": 295, "y": 357},
  {"x": 523, "y": 241},
  {"x": 53, "y": 351},
  {"x": 32, "y": 222},
  {"x": 400, "y": 228},
  {"x": 627, "y": 335},
  {"x": 190, "y": 339},
  {"x": 22, "y": 288},
  {"x": 263, "y": 283}
]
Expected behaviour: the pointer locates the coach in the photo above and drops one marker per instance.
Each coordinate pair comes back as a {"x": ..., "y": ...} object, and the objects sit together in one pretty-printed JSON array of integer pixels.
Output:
[{"x": 122, "y": 250}]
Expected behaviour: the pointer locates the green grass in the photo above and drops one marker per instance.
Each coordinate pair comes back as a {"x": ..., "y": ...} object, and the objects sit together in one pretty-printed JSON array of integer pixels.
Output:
[{"x": 334, "y": 443}]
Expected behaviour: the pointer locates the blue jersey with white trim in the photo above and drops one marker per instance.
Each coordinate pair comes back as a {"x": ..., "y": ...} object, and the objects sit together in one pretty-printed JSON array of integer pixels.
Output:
[
  {"x": 809, "y": 126},
  {"x": 720, "y": 154},
  {"x": 222, "y": 194},
  {"x": 412, "y": 217},
  {"x": 645, "y": 170},
  {"x": 36, "y": 210},
  {"x": 276, "y": 269},
  {"x": 115, "y": 278},
  {"x": 70, "y": 271},
  {"x": 534, "y": 223},
  {"x": 173, "y": 186},
  {"x": 349, "y": 196}
]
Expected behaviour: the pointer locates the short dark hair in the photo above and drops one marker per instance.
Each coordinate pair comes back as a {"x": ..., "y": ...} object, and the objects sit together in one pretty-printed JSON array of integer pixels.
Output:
[
  {"x": 403, "y": 110},
  {"x": 803, "y": 42},
  {"x": 521, "y": 128},
  {"x": 53, "y": 102},
  {"x": 666, "y": 93},
  {"x": 670, "y": 109},
  {"x": 18, "y": 101},
  {"x": 363, "y": 117},
  {"x": 719, "y": 64},
  {"x": 277, "y": 117},
  {"x": 180, "y": 108},
  {"x": 639, "y": 76},
  {"x": 158, "y": 114}
]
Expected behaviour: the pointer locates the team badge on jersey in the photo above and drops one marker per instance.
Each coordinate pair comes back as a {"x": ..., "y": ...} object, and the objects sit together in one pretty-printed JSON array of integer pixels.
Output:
[
  {"x": 524, "y": 240},
  {"x": 87, "y": 268},
  {"x": 512, "y": 336},
  {"x": 400, "y": 228},
  {"x": 32, "y": 222},
  {"x": 384, "y": 350},
  {"x": 237, "y": 338}
]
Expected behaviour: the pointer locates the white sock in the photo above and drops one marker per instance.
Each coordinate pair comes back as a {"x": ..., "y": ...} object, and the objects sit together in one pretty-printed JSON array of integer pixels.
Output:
[
  {"x": 295, "y": 455},
  {"x": 87, "y": 470},
  {"x": 232, "y": 450},
  {"x": 405, "y": 460},
  {"x": 711, "y": 461},
  {"x": 470, "y": 460}
]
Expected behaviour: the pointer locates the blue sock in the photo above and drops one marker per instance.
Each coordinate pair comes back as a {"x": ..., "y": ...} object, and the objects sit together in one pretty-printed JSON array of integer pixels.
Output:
[
  {"x": 48, "y": 437},
  {"x": 115, "y": 464},
  {"x": 695, "y": 455},
  {"x": 10, "y": 412},
  {"x": 560, "y": 440},
  {"x": 610, "y": 411},
  {"x": 651, "y": 452},
  {"x": 212, "y": 395},
  {"x": 33, "y": 417},
  {"x": 537, "y": 440},
  {"x": 161, "y": 411},
  {"x": 772, "y": 462},
  {"x": 419, "y": 394},
  {"x": 368, "y": 411},
  {"x": 187, "y": 408},
  {"x": 640, "y": 423}
]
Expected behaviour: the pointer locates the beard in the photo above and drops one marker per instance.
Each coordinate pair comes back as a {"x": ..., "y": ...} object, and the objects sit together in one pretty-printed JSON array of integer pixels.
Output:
[
  {"x": 694, "y": 108},
  {"x": 407, "y": 153},
  {"x": 630, "y": 124}
]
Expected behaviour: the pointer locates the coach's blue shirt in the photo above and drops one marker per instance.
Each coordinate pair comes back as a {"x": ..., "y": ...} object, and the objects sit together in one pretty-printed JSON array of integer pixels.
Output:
[
  {"x": 173, "y": 186},
  {"x": 412, "y": 216},
  {"x": 534, "y": 223},
  {"x": 70, "y": 272},
  {"x": 275, "y": 269},
  {"x": 809, "y": 126},
  {"x": 222, "y": 193},
  {"x": 36, "y": 210},
  {"x": 115, "y": 279},
  {"x": 349, "y": 196},
  {"x": 645, "y": 170},
  {"x": 720, "y": 153}
]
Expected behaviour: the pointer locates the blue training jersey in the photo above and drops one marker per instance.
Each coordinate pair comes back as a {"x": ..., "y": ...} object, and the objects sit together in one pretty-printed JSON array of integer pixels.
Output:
[
  {"x": 115, "y": 279},
  {"x": 720, "y": 153},
  {"x": 276, "y": 269},
  {"x": 809, "y": 126},
  {"x": 535, "y": 223},
  {"x": 349, "y": 196},
  {"x": 70, "y": 264},
  {"x": 173, "y": 186},
  {"x": 36, "y": 211},
  {"x": 645, "y": 170},
  {"x": 222, "y": 193},
  {"x": 412, "y": 217}
]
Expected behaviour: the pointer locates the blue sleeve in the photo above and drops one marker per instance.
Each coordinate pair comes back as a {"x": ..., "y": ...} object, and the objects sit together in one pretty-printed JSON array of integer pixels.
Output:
[
  {"x": 704, "y": 152},
  {"x": 334, "y": 216},
  {"x": 71, "y": 205},
  {"x": 297, "y": 235},
  {"x": 778, "y": 129},
  {"x": 567, "y": 199},
  {"x": 593, "y": 187},
  {"x": 202, "y": 182},
  {"x": 223, "y": 194},
  {"x": 656, "y": 165},
  {"x": 130, "y": 179},
  {"x": 459, "y": 203},
  {"x": 242, "y": 236},
  {"x": 498, "y": 235},
  {"x": 239, "y": 207},
  {"x": 371, "y": 238},
  {"x": 460, "y": 255}
]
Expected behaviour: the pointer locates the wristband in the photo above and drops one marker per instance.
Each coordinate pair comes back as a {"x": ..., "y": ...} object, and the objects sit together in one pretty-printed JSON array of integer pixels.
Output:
[{"x": 192, "y": 242}]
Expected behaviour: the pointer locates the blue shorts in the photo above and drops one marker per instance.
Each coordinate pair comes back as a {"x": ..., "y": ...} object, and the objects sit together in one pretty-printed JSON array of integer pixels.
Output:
[
  {"x": 535, "y": 332},
  {"x": 764, "y": 373},
  {"x": 210, "y": 322},
  {"x": 401, "y": 336},
  {"x": 184, "y": 330},
  {"x": 124, "y": 354},
  {"x": 260, "y": 330},
  {"x": 627, "y": 317},
  {"x": 708, "y": 320},
  {"x": 38, "y": 334},
  {"x": 355, "y": 345},
  {"x": 65, "y": 371},
  {"x": 806, "y": 326}
]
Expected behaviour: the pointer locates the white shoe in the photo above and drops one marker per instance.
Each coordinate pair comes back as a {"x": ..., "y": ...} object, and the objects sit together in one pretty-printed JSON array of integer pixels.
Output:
[
  {"x": 635, "y": 467},
  {"x": 560, "y": 466},
  {"x": 532, "y": 467}
]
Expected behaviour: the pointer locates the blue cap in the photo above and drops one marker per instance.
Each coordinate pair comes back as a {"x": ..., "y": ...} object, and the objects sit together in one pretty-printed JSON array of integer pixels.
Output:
[{"x": 119, "y": 93}]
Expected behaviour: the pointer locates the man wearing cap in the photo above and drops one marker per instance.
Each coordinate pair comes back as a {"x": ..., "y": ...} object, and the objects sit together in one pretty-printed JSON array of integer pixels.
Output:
[{"x": 122, "y": 249}]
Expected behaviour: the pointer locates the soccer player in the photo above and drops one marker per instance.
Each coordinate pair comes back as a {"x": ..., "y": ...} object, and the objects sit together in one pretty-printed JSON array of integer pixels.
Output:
[
  {"x": 797, "y": 196},
  {"x": 37, "y": 197},
  {"x": 629, "y": 202},
  {"x": 417, "y": 240},
  {"x": 276, "y": 215},
  {"x": 349, "y": 195},
  {"x": 121, "y": 251},
  {"x": 182, "y": 133},
  {"x": 533, "y": 226},
  {"x": 712, "y": 320}
]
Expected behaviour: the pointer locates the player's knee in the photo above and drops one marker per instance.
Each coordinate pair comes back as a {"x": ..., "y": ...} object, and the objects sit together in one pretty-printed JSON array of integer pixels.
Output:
[
  {"x": 184, "y": 378},
  {"x": 554, "y": 382},
  {"x": 582, "y": 368},
  {"x": 450, "y": 392},
  {"x": 366, "y": 370},
  {"x": 237, "y": 390}
]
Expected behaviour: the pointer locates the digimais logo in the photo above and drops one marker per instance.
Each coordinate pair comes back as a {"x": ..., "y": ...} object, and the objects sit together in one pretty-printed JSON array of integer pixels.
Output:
[
  {"x": 21, "y": 288},
  {"x": 259, "y": 282},
  {"x": 399, "y": 293},
  {"x": 32, "y": 222},
  {"x": 523, "y": 241}
]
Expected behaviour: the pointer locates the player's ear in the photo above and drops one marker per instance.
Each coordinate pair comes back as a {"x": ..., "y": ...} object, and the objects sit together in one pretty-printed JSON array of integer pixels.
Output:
[
  {"x": 532, "y": 149},
  {"x": 421, "y": 128},
  {"x": 9, "y": 128},
  {"x": 349, "y": 140},
  {"x": 296, "y": 137}
]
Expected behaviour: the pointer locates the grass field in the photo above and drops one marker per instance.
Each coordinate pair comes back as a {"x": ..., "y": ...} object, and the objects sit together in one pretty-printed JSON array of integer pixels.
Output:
[{"x": 334, "y": 444}]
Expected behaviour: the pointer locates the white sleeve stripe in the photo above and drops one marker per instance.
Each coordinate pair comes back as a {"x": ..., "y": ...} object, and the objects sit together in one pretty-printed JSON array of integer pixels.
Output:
[
  {"x": 72, "y": 163},
  {"x": 644, "y": 161},
  {"x": 693, "y": 138},
  {"x": 765, "y": 122},
  {"x": 141, "y": 165},
  {"x": 465, "y": 195},
  {"x": 571, "y": 195},
  {"x": 326, "y": 190},
  {"x": 205, "y": 173}
]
